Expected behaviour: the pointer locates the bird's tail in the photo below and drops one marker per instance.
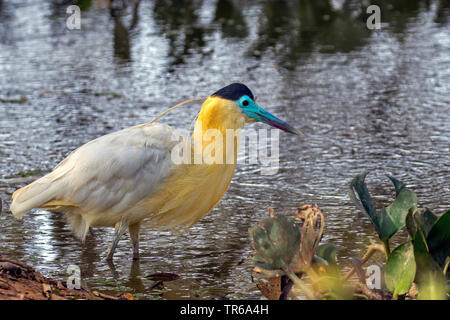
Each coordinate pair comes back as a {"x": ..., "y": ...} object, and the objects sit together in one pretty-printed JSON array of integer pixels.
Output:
[{"x": 34, "y": 195}]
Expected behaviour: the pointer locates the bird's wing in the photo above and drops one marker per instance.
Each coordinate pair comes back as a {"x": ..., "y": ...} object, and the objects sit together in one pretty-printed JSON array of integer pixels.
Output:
[{"x": 110, "y": 173}]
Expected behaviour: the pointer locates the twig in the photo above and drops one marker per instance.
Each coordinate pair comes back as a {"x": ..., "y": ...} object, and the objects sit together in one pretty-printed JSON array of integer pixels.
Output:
[
  {"x": 367, "y": 293},
  {"x": 104, "y": 296},
  {"x": 299, "y": 283},
  {"x": 370, "y": 251}
]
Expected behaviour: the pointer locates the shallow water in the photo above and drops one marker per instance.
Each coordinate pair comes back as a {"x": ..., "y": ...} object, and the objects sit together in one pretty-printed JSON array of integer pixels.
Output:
[{"x": 365, "y": 99}]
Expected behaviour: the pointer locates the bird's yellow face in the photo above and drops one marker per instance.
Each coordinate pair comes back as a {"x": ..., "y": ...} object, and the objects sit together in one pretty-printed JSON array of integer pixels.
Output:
[{"x": 222, "y": 114}]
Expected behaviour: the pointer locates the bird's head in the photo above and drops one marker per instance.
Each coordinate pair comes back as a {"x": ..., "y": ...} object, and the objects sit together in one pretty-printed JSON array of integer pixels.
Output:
[{"x": 241, "y": 96}]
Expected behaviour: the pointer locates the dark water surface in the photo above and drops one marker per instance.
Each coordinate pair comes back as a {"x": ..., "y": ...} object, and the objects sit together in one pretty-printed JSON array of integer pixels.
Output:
[{"x": 365, "y": 100}]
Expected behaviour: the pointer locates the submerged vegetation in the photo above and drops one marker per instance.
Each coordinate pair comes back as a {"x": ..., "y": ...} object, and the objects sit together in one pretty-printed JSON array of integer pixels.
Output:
[{"x": 290, "y": 260}]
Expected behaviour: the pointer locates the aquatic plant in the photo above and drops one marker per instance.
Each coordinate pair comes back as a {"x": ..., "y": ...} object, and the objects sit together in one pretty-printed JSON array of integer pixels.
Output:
[
  {"x": 425, "y": 256},
  {"x": 288, "y": 253}
]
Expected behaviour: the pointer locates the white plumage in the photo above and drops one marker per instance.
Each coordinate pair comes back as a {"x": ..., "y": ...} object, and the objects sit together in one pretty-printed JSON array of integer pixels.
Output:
[{"x": 99, "y": 176}]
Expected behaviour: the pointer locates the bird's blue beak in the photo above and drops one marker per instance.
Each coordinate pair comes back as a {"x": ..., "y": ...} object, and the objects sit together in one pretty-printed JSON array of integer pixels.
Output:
[{"x": 254, "y": 111}]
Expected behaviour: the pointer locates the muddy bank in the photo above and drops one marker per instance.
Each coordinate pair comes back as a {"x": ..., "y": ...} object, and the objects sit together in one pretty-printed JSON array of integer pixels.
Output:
[{"x": 19, "y": 281}]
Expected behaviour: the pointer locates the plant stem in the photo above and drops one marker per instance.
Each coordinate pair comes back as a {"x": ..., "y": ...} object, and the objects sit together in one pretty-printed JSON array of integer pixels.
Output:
[
  {"x": 299, "y": 283},
  {"x": 447, "y": 263},
  {"x": 374, "y": 247},
  {"x": 386, "y": 247}
]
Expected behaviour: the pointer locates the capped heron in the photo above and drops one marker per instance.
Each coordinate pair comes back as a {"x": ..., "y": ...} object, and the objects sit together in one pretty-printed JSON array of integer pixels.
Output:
[{"x": 124, "y": 177}]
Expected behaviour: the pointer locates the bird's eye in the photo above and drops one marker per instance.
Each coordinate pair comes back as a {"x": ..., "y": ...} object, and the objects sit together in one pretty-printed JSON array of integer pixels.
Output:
[{"x": 245, "y": 103}]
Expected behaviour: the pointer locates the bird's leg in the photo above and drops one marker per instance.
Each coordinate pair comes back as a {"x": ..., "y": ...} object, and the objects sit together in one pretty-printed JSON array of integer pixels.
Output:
[
  {"x": 134, "y": 236},
  {"x": 119, "y": 230},
  {"x": 112, "y": 267}
]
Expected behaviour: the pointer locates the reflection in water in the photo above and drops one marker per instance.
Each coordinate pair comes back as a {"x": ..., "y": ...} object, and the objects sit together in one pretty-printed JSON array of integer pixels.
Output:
[
  {"x": 5, "y": 19},
  {"x": 366, "y": 100},
  {"x": 231, "y": 19},
  {"x": 443, "y": 12},
  {"x": 122, "y": 33},
  {"x": 278, "y": 15},
  {"x": 178, "y": 21},
  {"x": 295, "y": 29},
  {"x": 399, "y": 13}
]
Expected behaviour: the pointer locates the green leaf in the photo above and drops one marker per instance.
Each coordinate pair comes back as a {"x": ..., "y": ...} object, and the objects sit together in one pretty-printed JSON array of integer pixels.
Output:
[
  {"x": 419, "y": 219},
  {"x": 398, "y": 185},
  {"x": 411, "y": 224},
  {"x": 389, "y": 220},
  {"x": 425, "y": 264},
  {"x": 433, "y": 286},
  {"x": 438, "y": 239},
  {"x": 426, "y": 220},
  {"x": 361, "y": 197},
  {"x": 327, "y": 251},
  {"x": 404, "y": 201},
  {"x": 429, "y": 277},
  {"x": 400, "y": 269},
  {"x": 276, "y": 240}
]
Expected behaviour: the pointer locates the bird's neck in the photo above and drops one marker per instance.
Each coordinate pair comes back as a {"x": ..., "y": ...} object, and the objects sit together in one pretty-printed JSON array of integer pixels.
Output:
[{"x": 218, "y": 128}]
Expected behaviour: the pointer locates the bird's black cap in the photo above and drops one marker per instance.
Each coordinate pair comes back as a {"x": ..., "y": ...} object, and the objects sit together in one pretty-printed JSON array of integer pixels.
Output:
[{"x": 234, "y": 91}]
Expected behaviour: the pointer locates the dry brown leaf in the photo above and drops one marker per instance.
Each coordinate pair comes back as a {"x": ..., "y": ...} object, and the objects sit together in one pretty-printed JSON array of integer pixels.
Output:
[
  {"x": 270, "y": 288},
  {"x": 126, "y": 296}
]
